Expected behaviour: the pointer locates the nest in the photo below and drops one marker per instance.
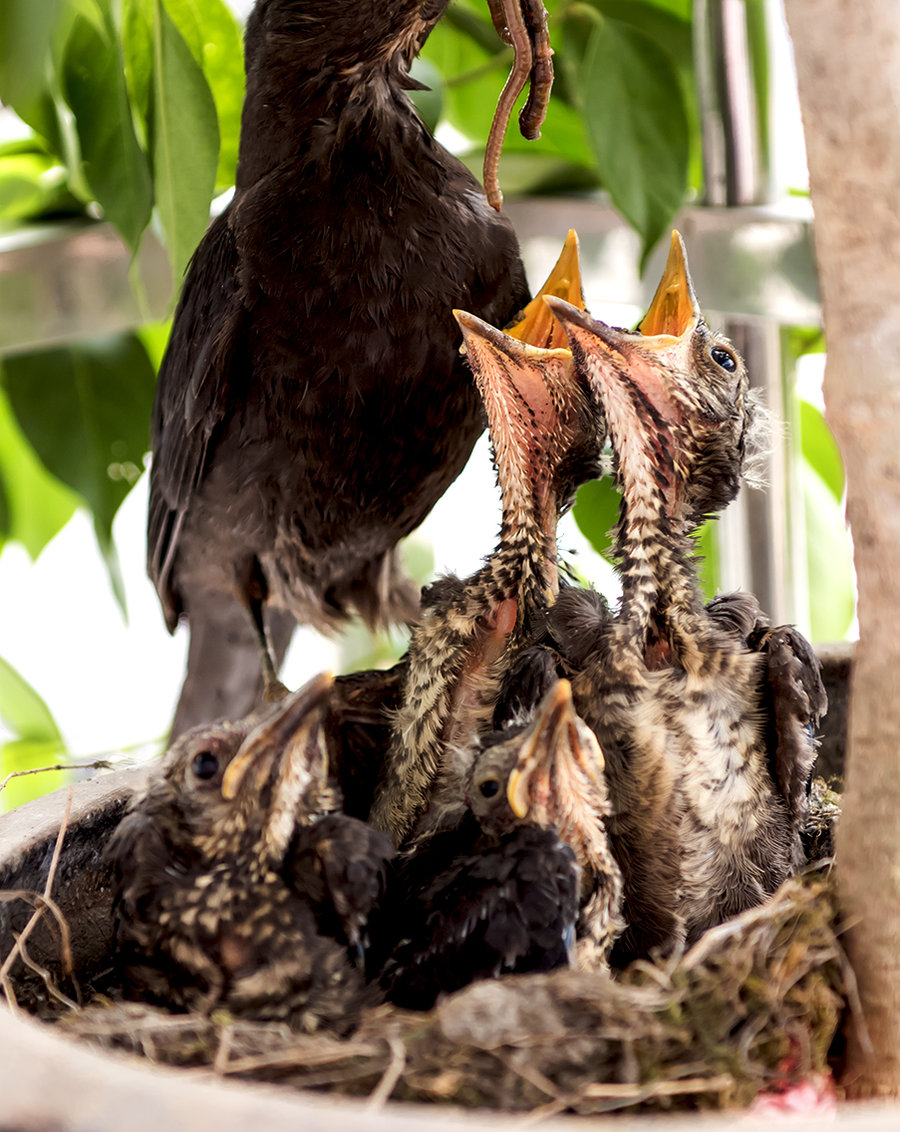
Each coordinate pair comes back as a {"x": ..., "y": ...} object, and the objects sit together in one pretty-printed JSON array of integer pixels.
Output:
[{"x": 753, "y": 1005}]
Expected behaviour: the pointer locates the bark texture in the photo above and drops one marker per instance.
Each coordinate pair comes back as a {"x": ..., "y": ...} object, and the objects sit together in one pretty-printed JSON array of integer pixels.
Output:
[{"x": 848, "y": 66}]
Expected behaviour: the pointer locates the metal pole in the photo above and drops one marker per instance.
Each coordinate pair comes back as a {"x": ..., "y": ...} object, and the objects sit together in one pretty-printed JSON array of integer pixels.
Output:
[{"x": 756, "y": 535}]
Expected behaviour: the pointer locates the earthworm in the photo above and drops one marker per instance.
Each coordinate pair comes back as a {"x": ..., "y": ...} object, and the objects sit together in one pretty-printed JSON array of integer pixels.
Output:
[{"x": 509, "y": 18}]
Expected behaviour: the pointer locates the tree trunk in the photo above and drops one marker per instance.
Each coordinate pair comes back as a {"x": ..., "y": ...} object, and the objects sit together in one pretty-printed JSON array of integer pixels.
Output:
[{"x": 848, "y": 67}]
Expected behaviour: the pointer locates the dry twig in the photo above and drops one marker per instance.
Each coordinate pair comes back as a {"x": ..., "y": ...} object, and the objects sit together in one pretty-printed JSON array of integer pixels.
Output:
[{"x": 42, "y": 903}]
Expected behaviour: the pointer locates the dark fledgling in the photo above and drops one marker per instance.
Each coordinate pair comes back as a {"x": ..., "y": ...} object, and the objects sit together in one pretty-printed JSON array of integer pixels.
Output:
[
  {"x": 544, "y": 437},
  {"x": 526, "y": 871},
  {"x": 312, "y": 404},
  {"x": 239, "y": 882},
  {"x": 706, "y": 717}
]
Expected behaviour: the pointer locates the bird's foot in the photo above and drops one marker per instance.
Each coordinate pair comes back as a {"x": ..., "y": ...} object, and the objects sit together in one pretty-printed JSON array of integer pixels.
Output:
[{"x": 274, "y": 691}]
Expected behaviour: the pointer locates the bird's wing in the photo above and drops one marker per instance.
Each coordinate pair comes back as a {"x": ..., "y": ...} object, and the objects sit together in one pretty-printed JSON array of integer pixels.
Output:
[
  {"x": 341, "y": 862},
  {"x": 576, "y": 623},
  {"x": 796, "y": 702},
  {"x": 512, "y": 907},
  {"x": 738, "y": 612},
  {"x": 144, "y": 862},
  {"x": 531, "y": 675},
  {"x": 191, "y": 397}
]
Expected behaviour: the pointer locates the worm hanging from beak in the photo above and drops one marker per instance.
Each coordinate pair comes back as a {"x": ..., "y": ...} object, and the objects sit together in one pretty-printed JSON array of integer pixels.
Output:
[{"x": 523, "y": 24}]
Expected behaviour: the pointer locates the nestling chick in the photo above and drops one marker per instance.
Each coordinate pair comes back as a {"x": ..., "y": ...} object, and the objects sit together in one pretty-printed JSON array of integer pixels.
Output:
[
  {"x": 544, "y": 433},
  {"x": 672, "y": 687},
  {"x": 529, "y": 866},
  {"x": 238, "y": 885}
]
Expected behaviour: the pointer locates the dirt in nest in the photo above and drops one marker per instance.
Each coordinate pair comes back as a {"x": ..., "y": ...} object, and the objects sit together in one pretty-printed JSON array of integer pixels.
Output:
[{"x": 754, "y": 1004}]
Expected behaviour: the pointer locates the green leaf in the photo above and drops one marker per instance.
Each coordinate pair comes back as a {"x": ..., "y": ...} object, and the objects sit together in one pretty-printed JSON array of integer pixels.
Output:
[
  {"x": 829, "y": 559},
  {"x": 637, "y": 124},
  {"x": 85, "y": 410},
  {"x": 213, "y": 35},
  {"x": 215, "y": 41},
  {"x": 114, "y": 163},
  {"x": 184, "y": 137},
  {"x": 22, "y": 709},
  {"x": 24, "y": 754},
  {"x": 38, "y": 504},
  {"x": 5, "y": 514},
  {"x": 155, "y": 337},
  {"x": 820, "y": 449},
  {"x": 26, "y": 34},
  {"x": 596, "y": 512},
  {"x": 137, "y": 53},
  {"x": 669, "y": 31},
  {"x": 707, "y": 548},
  {"x": 31, "y": 184}
]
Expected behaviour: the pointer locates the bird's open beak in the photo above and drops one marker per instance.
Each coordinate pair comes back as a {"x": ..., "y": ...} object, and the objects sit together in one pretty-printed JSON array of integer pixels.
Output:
[
  {"x": 284, "y": 728},
  {"x": 674, "y": 311},
  {"x": 664, "y": 334},
  {"x": 538, "y": 326},
  {"x": 554, "y": 761},
  {"x": 527, "y": 393},
  {"x": 513, "y": 377},
  {"x": 649, "y": 358}
]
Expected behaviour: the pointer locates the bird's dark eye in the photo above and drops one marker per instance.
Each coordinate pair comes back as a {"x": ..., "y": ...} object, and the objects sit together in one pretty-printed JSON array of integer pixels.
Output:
[
  {"x": 490, "y": 788},
  {"x": 205, "y": 765},
  {"x": 723, "y": 358}
]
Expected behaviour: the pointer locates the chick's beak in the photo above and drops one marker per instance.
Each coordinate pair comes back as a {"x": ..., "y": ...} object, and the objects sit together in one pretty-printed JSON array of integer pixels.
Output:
[
  {"x": 674, "y": 310},
  {"x": 550, "y": 754},
  {"x": 514, "y": 378},
  {"x": 265, "y": 747},
  {"x": 538, "y": 326}
]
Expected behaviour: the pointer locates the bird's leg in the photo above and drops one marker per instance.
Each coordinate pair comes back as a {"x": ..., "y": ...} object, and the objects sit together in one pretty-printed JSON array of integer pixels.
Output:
[
  {"x": 253, "y": 592},
  {"x": 273, "y": 689}
]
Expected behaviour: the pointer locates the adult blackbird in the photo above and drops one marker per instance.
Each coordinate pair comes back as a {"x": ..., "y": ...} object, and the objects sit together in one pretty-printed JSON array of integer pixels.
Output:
[
  {"x": 312, "y": 404},
  {"x": 526, "y": 871},
  {"x": 709, "y": 741},
  {"x": 238, "y": 882},
  {"x": 544, "y": 440}
]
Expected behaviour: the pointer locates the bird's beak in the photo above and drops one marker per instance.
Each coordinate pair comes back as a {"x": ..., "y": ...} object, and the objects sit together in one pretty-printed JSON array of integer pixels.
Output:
[
  {"x": 538, "y": 326},
  {"x": 528, "y": 395},
  {"x": 286, "y": 727},
  {"x": 513, "y": 377},
  {"x": 648, "y": 358},
  {"x": 662, "y": 340},
  {"x": 674, "y": 311},
  {"x": 553, "y": 759}
]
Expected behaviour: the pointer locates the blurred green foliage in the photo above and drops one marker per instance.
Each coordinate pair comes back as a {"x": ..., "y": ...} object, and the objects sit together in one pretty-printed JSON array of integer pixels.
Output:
[{"x": 36, "y": 740}]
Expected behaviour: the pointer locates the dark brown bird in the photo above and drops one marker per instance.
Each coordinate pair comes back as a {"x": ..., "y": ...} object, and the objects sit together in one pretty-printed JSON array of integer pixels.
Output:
[
  {"x": 238, "y": 885},
  {"x": 527, "y": 870},
  {"x": 545, "y": 443},
  {"x": 312, "y": 404},
  {"x": 705, "y": 761}
]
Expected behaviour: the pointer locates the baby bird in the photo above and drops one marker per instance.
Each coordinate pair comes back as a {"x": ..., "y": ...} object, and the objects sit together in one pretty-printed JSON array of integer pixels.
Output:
[
  {"x": 529, "y": 866},
  {"x": 544, "y": 433},
  {"x": 700, "y": 759},
  {"x": 239, "y": 884}
]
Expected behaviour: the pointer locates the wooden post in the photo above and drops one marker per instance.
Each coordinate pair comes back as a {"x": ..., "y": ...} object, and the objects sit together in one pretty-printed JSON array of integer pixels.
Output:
[{"x": 848, "y": 66}]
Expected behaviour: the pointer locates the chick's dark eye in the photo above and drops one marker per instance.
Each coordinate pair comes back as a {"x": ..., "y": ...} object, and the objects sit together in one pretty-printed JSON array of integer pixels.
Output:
[
  {"x": 205, "y": 765},
  {"x": 490, "y": 788},
  {"x": 723, "y": 358}
]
